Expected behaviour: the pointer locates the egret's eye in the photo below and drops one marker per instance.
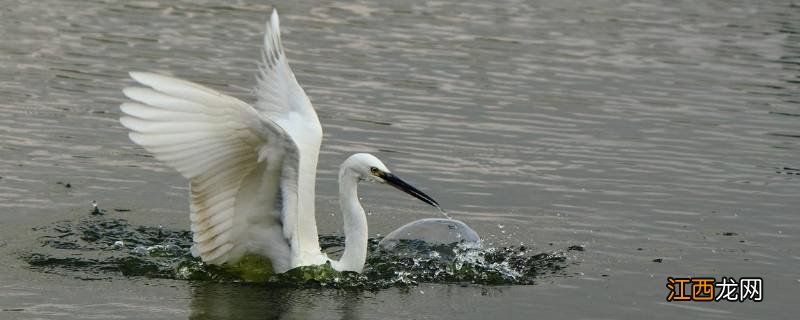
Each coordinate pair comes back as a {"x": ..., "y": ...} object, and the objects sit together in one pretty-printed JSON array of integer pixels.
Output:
[{"x": 374, "y": 171}]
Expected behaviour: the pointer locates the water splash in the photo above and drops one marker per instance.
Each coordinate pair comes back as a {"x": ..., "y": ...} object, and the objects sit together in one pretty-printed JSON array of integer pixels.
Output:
[
  {"x": 97, "y": 247},
  {"x": 444, "y": 213}
]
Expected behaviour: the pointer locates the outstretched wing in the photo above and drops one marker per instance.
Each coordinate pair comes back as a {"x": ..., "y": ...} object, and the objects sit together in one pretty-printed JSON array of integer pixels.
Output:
[
  {"x": 232, "y": 156},
  {"x": 251, "y": 169},
  {"x": 278, "y": 92},
  {"x": 282, "y": 99}
]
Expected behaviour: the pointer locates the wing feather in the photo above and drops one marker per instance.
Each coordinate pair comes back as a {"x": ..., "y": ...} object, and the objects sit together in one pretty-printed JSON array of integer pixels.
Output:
[
  {"x": 246, "y": 165},
  {"x": 142, "y": 111},
  {"x": 212, "y": 140},
  {"x": 159, "y": 100},
  {"x": 282, "y": 99},
  {"x": 278, "y": 91}
]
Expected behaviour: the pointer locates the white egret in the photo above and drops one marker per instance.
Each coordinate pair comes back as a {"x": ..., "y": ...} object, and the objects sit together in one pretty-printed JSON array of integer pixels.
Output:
[{"x": 252, "y": 168}]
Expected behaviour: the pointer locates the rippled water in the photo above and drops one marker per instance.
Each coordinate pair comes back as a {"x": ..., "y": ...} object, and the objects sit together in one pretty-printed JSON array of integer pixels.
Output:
[{"x": 644, "y": 131}]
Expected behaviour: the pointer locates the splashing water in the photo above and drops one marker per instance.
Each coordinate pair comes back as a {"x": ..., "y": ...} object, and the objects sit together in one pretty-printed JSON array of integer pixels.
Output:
[{"x": 100, "y": 248}]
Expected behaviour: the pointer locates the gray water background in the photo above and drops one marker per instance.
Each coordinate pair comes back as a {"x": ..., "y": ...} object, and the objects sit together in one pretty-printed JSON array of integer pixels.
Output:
[{"x": 639, "y": 129}]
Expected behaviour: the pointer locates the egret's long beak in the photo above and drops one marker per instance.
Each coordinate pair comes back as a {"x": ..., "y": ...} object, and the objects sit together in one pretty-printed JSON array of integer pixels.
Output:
[{"x": 401, "y": 185}]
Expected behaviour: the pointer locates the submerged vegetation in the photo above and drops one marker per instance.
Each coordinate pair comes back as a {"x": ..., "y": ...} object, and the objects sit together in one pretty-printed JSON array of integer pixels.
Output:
[{"x": 97, "y": 247}]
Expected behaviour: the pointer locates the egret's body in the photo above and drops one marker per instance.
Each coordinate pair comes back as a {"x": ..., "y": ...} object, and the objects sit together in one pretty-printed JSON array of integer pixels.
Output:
[{"x": 252, "y": 169}]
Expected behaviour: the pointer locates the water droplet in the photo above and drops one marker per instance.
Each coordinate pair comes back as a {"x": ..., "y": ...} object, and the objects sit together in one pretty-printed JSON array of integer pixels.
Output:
[{"x": 444, "y": 213}]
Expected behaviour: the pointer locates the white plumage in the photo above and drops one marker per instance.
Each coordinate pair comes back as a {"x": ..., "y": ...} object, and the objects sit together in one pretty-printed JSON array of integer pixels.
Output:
[{"x": 251, "y": 168}]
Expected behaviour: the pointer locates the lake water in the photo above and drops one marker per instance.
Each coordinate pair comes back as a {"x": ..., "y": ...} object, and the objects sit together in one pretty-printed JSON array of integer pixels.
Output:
[{"x": 663, "y": 137}]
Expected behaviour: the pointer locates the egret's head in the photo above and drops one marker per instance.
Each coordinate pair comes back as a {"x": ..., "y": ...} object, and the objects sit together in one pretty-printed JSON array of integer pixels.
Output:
[
  {"x": 365, "y": 166},
  {"x": 368, "y": 167}
]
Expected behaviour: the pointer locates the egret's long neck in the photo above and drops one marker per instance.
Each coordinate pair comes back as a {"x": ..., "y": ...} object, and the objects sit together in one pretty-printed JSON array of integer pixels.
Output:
[{"x": 355, "y": 224}]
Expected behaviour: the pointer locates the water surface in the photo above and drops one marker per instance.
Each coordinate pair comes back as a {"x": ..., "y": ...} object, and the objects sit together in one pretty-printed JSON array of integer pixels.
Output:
[{"x": 640, "y": 130}]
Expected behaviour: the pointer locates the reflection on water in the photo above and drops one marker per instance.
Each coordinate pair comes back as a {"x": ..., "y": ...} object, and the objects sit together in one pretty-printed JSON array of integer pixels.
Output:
[
  {"x": 239, "y": 301},
  {"x": 644, "y": 130},
  {"x": 246, "y": 301}
]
